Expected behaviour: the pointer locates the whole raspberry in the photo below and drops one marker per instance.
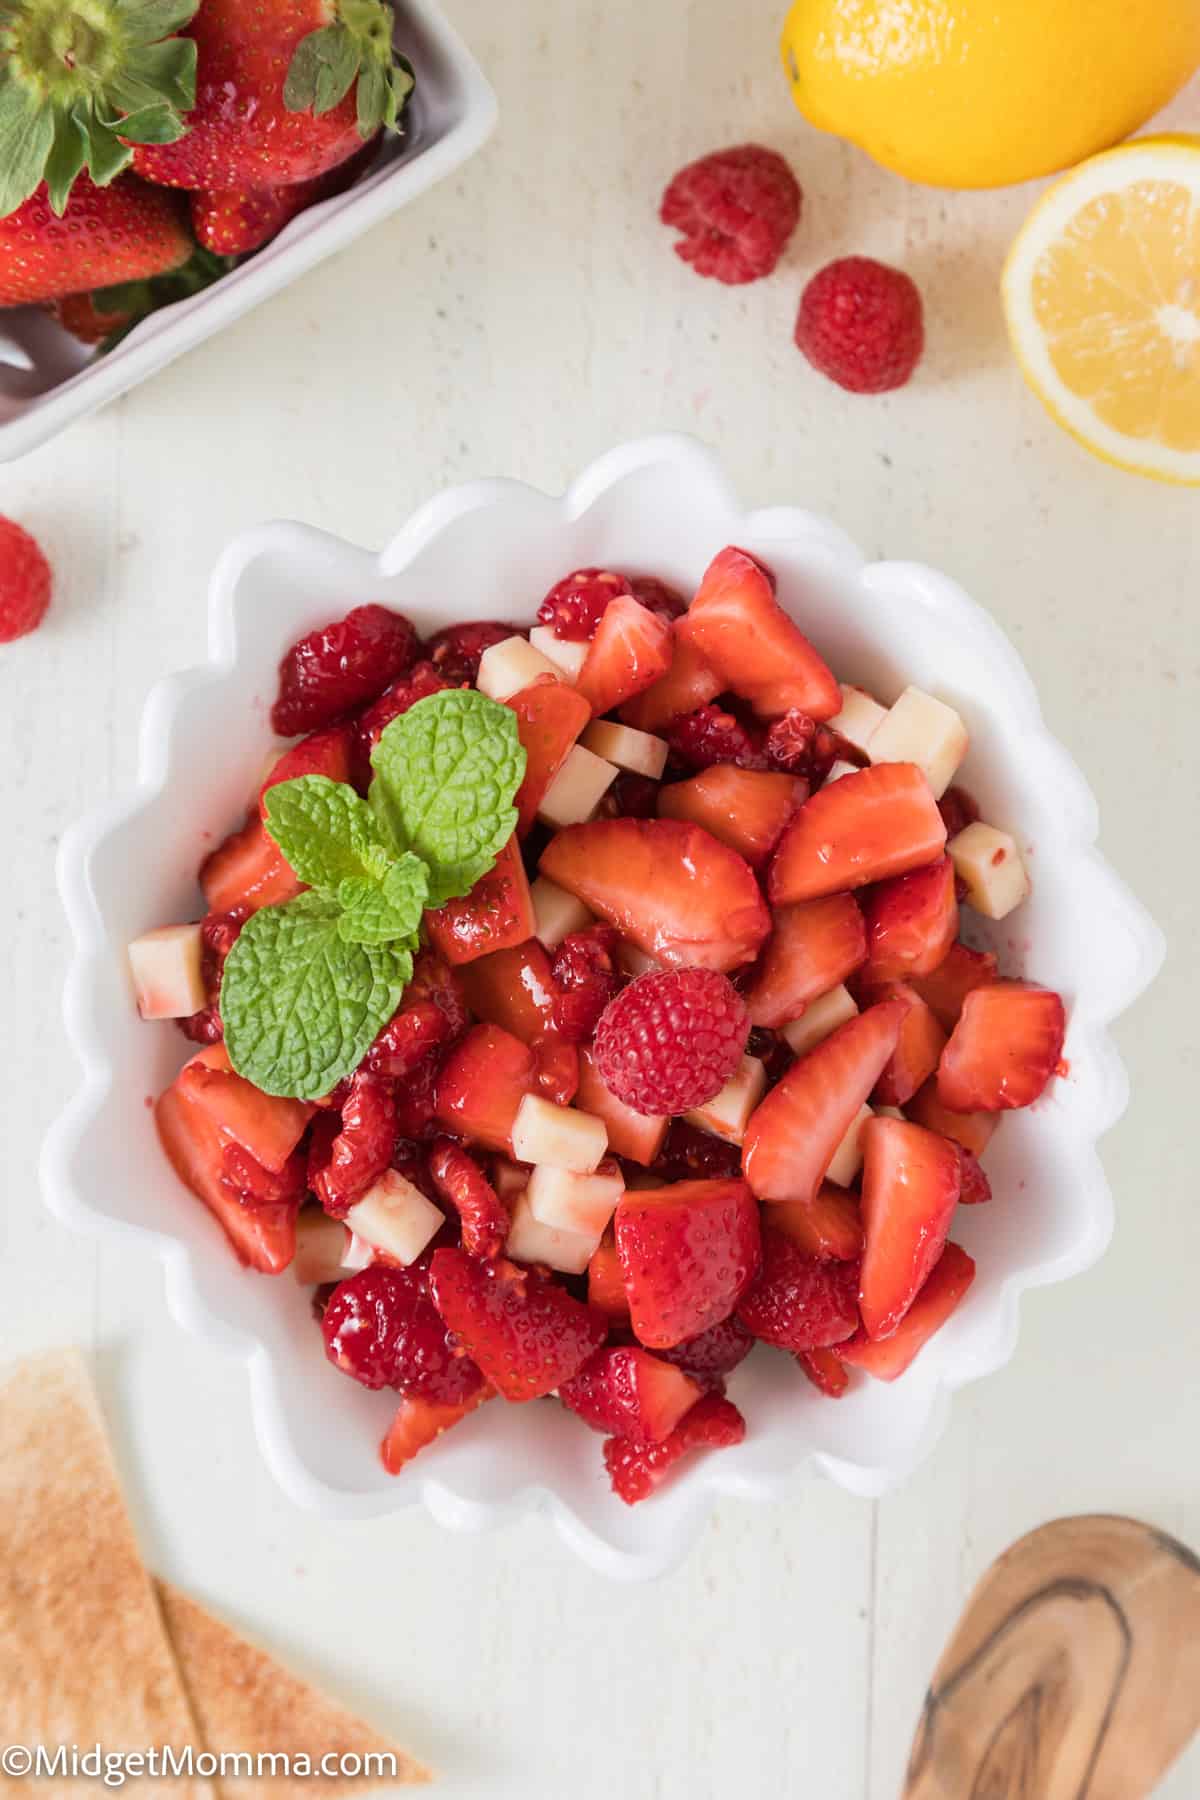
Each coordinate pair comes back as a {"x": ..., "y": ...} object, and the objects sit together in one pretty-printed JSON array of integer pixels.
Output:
[
  {"x": 575, "y": 605},
  {"x": 658, "y": 596},
  {"x": 736, "y": 209},
  {"x": 340, "y": 667},
  {"x": 586, "y": 975},
  {"x": 381, "y": 1327},
  {"x": 416, "y": 684},
  {"x": 671, "y": 1040},
  {"x": 860, "y": 322},
  {"x": 25, "y": 582},
  {"x": 455, "y": 652},
  {"x": 710, "y": 735},
  {"x": 218, "y": 934}
]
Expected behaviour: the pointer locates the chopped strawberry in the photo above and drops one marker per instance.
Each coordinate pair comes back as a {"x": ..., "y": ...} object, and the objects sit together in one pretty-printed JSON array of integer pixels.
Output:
[
  {"x": 975, "y": 1187},
  {"x": 814, "y": 946},
  {"x": 796, "y": 1301},
  {"x": 887, "y": 1358},
  {"x": 481, "y": 1085},
  {"x": 689, "y": 683},
  {"x": 247, "y": 870},
  {"x": 624, "y": 1391},
  {"x": 557, "y": 1069},
  {"x": 866, "y": 827},
  {"x": 829, "y": 1227},
  {"x": 266, "y": 1126},
  {"x": 550, "y": 716},
  {"x": 739, "y": 627},
  {"x": 636, "y": 1135},
  {"x": 910, "y": 1186},
  {"x": 958, "y": 809},
  {"x": 825, "y": 1369},
  {"x": 688, "y": 1252},
  {"x": 631, "y": 650},
  {"x": 497, "y": 913},
  {"x": 911, "y": 923},
  {"x": 382, "y": 1329},
  {"x": 947, "y": 986},
  {"x": 418, "y": 1422},
  {"x": 1005, "y": 1048},
  {"x": 918, "y": 1047},
  {"x": 512, "y": 988},
  {"x": 407, "y": 1038},
  {"x": 459, "y": 1179},
  {"x": 586, "y": 977},
  {"x": 526, "y": 1333},
  {"x": 711, "y": 738},
  {"x": 744, "y": 808},
  {"x": 658, "y": 595},
  {"x": 635, "y": 1471},
  {"x": 362, "y": 1148},
  {"x": 263, "y": 1235},
  {"x": 713, "y": 1353},
  {"x": 671, "y": 888},
  {"x": 575, "y": 605},
  {"x": 605, "y": 1281},
  {"x": 792, "y": 1136},
  {"x": 971, "y": 1130},
  {"x": 324, "y": 753}
]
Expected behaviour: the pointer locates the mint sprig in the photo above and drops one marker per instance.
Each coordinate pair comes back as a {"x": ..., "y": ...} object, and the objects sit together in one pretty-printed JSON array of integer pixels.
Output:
[{"x": 308, "y": 985}]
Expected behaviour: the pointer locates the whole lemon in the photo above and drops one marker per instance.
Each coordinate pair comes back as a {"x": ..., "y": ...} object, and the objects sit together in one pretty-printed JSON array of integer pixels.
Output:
[{"x": 978, "y": 93}]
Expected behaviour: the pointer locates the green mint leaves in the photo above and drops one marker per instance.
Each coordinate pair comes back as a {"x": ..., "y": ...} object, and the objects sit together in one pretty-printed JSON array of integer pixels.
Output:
[{"x": 308, "y": 986}]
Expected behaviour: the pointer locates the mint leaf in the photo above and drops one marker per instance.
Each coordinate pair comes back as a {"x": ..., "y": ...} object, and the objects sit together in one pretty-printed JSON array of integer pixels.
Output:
[
  {"x": 380, "y": 912},
  {"x": 327, "y": 834},
  {"x": 446, "y": 772},
  {"x": 301, "y": 1006}
]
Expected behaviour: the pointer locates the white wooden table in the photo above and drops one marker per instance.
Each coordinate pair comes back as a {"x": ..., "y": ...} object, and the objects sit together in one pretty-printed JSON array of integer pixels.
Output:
[{"x": 521, "y": 318}]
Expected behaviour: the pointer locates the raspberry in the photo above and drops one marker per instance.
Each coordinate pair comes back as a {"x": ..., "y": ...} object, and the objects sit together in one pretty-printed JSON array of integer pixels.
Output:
[
  {"x": 218, "y": 934},
  {"x": 25, "y": 582},
  {"x": 693, "y": 1155},
  {"x": 710, "y": 735},
  {"x": 736, "y": 209},
  {"x": 419, "y": 682},
  {"x": 415, "y": 1098},
  {"x": 455, "y": 652},
  {"x": 432, "y": 979},
  {"x": 381, "y": 1327},
  {"x": 958, "y": 810},
  {"x": 586, "y": 975},
  {"x": 796, "y": 1301},
  {"x": 860, "y": 322},
  {"x": 799, "y": 746},
  {"x": 407, "y": 1039},
  {"x": 361, "y": 1149},
  {"x": 671, "y": 1040},
  {"x": 459, "y": 1179},
  {"x": 716, "y": 1351},
  {"x": 636, "y": 1470},
  {"x": 575, "y": 605},
  {"x": 340, "y": 667},
  {"x": 658, "y": 596}
]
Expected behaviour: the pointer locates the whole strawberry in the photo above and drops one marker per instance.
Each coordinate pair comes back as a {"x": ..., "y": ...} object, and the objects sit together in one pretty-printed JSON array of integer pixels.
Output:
[
  {"x": 25, "y": 582},
  {"x": 111, "y": 235},
  {"x": 861, "y": 323}
]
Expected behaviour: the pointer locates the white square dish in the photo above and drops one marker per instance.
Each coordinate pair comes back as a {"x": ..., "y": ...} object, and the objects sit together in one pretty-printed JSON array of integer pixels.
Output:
[
  {"x": 47, "y": 379},
  {"x": 661, "y": 505}
]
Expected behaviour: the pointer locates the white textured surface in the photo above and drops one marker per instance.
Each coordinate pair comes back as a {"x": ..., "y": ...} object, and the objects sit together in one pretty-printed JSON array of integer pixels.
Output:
[{"x": 794, "y": 1643}]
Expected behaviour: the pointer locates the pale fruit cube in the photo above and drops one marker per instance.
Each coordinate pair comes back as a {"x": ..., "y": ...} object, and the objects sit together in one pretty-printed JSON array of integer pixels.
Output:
[
  {"x": 559, "y": 1135},
  {"x": 507, "y": 667},
  {"x": 727, "y": 1113},
  {"x": 166, "y": 972},
  {"x": 847, "y": 1158},
  {"x": 578, "y": 1203},
  {"x": 838, "y": 769},
  {"x": 992, "y": 867},
  {"x": 567, "y": 655},
  {"x": 860, "y": 717},
  {"x": 321, "y": 1246},
  {"x": 819, "y": 1018},
  {"x": 529, "y": 1241},
  {"x": 509, "y": 1179},
  {"x": 577, "y": 789},
  {"x": 395, "y": 1217},
  {"x": 359, "y": 1255},
  {"x": 639, "y": 751},
  {"x": 556, "y": 913},
  {"x": 925, "y": 731},
  {"x": 634, "y": 961}
]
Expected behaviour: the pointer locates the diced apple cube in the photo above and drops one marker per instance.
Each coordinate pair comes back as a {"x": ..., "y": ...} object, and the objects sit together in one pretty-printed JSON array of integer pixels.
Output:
[
  {"x": 848, "y": 1157},
  {"x": 562, "y": 1136},
  {"x": 321, "y": 1245},
  {"x": 529, "y": 1241},
  {"x": 919, "y": 729},
  {"x": 639, "y": 751},
  {"x": 512, "y": 664},
  {"x": 395, "y": 1217},
  {"x": 838, "y": 769},
  {"x": 992, "y": 868},
  {"x": 860, "y": 717},
  {"x": 578, "y": 1203},
  {"x": 568, "y": 655},
  {"x": 167, "y": 975},
  {"x": 509, "y": 1179},
  {"x": 556, "y": 913},
  {"x": 634, "y": 961},
  {"x": 577, "y": 789},
  {"x": 819, "y": 1018},
  {"x": 359, "y": 1254},
  {"x": 727, "y": 1113}
]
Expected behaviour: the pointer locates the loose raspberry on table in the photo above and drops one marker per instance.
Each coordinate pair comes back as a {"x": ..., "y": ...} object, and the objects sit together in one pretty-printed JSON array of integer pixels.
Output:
[
  {"x": 586, "y": 975},
  {"x": 635, "y": 1471},
  {"x": 658, "y": 597},
  {"x": 799, "y": 746},
  {"x": 218, "y": 934},
  {"x": 344, "y": 665},
  {"x": 689, "y": 1154},
  {"x": 671, "y": 1039},
  {"x": 736, "y": 210},
  {"x": 381, "y": 1327},
  {"x": 455, "y": 652},
  {"x": 362, "y": 1147},
  {"x": 710, "y": 735},
  {"x": 575, "y": 605},
  {"x": 416, "y": 684},
  {"x": 25, "y": 582},
  {"x": 861, "y": 323},
  {"x": 482, "y": 1214}
]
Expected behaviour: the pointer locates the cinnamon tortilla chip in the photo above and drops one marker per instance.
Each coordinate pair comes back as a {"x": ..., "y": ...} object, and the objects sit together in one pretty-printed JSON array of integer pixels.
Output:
[
  {"x": 246, "y": 1701},
  {"x": 84, "y": 1656}
]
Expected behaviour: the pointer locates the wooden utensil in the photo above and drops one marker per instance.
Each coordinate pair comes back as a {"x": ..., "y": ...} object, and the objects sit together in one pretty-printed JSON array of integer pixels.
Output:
[{"x": 1073, "y": 1674}]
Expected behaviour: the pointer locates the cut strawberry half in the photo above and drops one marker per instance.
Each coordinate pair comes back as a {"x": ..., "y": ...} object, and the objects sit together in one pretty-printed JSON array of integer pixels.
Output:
[
  {"x": 910, "y": 1187},
  {"x": 688, "y": 1252},
  {"x": 826, "y": 1371},
  {"x": 689, "y": 682},
  {"x": 267, "y": 1127},
  {"x": 481, "y": 1085},
  {"x": 631, "y": 650},
  {"x": 324, "y": 753},
  {"x": 263, "y": 1234},
  {"x": 975, "y": 1187},
  {"x": 606, "y": 1281},
  {"x": 972, "y": 1130},
  {"x": 671, "y": 888},
  {"x": 918, "y": 1047},
  {"x": 739, "y": 627},
  {"x": 744, "y": 808},
  {"x": 497, "y": 913},
  {"x": 861, "y": 828},
  {"x": 525, "y": 1332},
  {"x": 550, "y": 716},
  {"x": 828, "y": 1227},
  {"x": 514, "y": 989},
  {"x": 791, "y": 1138},
  {"x": 418, "y": 1422},
  {"x": 1005, "y": 1048},
  {"x": 247, "y": 870},
  {"x": 638, "y": 1136},
  {"x": 815, "y": 945},
  {"x": 798, "y": 1302},
  {"x": 624, "y": 1391},
  {"x": 637, "y": 1470},
  {"x": 887, "y": 1358},
  {"x": 947, "y": 986},
  {"x": 911, "y": 923}
]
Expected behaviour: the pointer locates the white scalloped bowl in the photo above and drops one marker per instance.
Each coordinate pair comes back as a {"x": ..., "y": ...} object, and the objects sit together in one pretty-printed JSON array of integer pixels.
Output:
[{"x": 491, "y": 549}]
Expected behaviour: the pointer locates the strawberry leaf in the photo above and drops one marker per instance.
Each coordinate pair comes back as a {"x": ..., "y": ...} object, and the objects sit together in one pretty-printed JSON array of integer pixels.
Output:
[
  {"x": 150, "y": 125},
  {"x": 65, "y": 161},
  {"x": 26, "y": 142},
  {"x": 146, "y": 21},
  {"x": 167, "y": 71}
]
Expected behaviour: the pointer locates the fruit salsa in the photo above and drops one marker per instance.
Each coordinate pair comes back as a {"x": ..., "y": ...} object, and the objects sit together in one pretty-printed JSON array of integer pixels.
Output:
[{"x": 580, "y": 1007}]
